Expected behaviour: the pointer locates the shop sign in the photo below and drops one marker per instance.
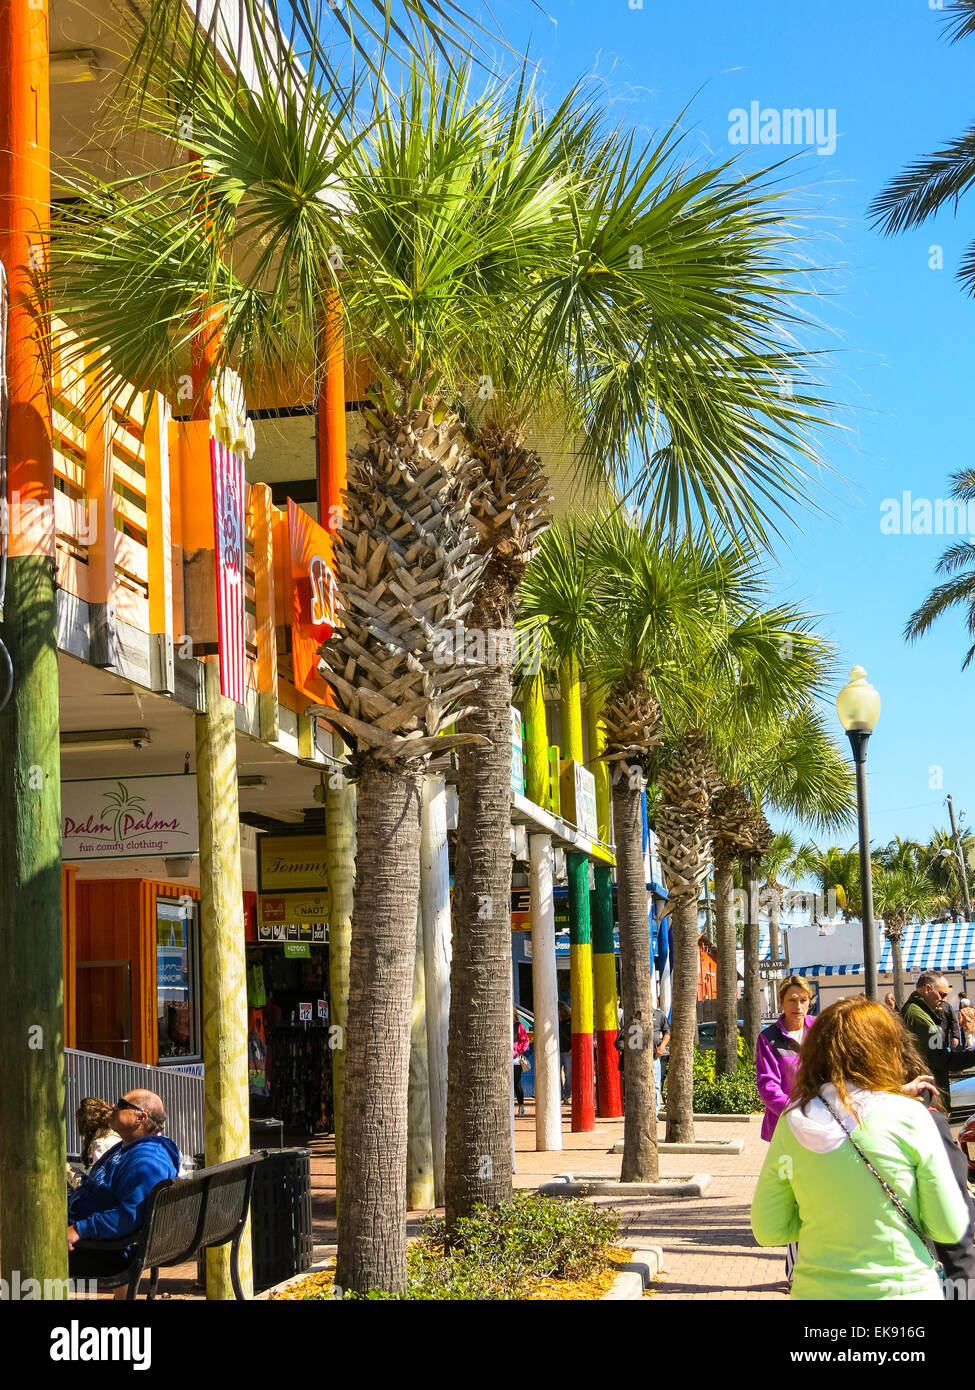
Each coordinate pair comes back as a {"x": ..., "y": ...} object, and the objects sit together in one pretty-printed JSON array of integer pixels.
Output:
[
  {"x": 292, "y": 907},
  {"x": 323, "y": 1010},
  {"x": 578, "y": 796},
  {"x": 297, "y": 950},
  {"x": 314, "y": 600},
  {"x": 316, "y": 932},
  {"x": 520, "y": 909},
  {"x": 170, "y": 967},
  {"x": 304, "y": 1013},
  {"x": 289, "y": 863},
  {"x": 129, "y": 817}
]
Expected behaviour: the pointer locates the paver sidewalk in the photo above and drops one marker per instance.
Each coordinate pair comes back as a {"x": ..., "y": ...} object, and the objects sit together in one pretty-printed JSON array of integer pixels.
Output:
[
  {"x": 707, "y": 1242},
  {"x": 709, "y": 1250}
]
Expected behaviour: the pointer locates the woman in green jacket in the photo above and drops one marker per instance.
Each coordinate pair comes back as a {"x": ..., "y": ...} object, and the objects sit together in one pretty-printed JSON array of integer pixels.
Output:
[{"x": 853, "y": 1127}]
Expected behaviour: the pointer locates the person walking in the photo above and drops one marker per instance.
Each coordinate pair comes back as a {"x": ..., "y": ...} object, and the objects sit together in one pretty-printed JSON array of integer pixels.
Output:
[
  {"x": 777, "y": 1060},
  {"x": 926, "y": 1023},
  {"x": 778, "y": 1047},
  {"x": 565, "y": 1050},
  {"x": 858, "y": 1166},
  {"x": 519, "y": 1046},
  {"x": 966, "y": 1021}
]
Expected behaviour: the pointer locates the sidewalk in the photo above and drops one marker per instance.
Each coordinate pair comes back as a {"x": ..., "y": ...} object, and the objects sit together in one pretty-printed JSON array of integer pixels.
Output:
[
  {"x": 709, "y": 1250},
  {"x": 708, "y": 1247}
]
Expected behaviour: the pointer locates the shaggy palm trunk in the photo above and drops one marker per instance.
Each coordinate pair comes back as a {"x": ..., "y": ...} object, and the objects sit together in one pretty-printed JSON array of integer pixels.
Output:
[
  {"x": 683, "y": 1033},
  {"x": 897, "y": 957},
  {"x": 726, "y": 1041},
  {"x": 479, "y": 1065},
  {"x": 752, "y": 1002},
  {"x": 640, "y": 1158},
  {"x": 372, "y": 1232}
]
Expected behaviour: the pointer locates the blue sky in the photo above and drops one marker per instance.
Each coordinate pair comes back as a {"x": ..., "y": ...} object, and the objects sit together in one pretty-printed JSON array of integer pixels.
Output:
[{"x": 902, "y": 334}]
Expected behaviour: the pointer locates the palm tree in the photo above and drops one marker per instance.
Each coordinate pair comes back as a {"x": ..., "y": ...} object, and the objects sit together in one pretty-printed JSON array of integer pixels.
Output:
[
  {"x": 785, "y": 863},
  {"x": 837, "y": 872},
  {"x": 427, "y": 292},
  {"x": 936, "y": 180},
  {"x": 679, "y": 627},
  {"x": 903, "y": 892},
  {"x": 940, "y": 858},
  {"x": 396, "y": 699},
  {"x": 958, "y": 564}
]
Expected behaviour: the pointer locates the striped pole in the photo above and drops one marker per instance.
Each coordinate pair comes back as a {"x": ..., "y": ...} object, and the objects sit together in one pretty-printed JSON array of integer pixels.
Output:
[
  {"x": 606, "y": 1019},
  {"x": 580, "y": 935}
]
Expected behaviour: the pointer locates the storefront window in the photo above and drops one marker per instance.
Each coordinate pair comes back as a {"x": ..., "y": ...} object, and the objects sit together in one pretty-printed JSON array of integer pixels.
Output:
[{"x": 177, "y": 980}]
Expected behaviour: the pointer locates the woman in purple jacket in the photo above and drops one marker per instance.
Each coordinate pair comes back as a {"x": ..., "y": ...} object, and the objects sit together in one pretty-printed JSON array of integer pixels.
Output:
[{"x": 777, "y": 1060}]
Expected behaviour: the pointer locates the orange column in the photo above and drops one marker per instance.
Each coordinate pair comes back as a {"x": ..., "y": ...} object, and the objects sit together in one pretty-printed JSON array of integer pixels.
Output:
[
  {"x": 25, "y": 195},
  {"x": 330, "y": 413}
]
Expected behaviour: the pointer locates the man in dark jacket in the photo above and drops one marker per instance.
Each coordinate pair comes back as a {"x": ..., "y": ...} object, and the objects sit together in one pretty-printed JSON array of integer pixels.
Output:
[
  {"x": 925, "y": 1021},
  {"x": 110, "y": 1200}
]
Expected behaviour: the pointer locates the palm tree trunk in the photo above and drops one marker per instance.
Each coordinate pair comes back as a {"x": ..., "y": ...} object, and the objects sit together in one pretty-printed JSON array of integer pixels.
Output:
[
  {"x": 897, "y": 955},
  {"x": 479, "y": 1067},
  {"x": 683, "y": 1031},
  {"x": 372, "y": 1232},
  {"x": 640, "y": 1159},
  {"x": 726, "y": 1040},
  {"x": 752, "y": 1002}
]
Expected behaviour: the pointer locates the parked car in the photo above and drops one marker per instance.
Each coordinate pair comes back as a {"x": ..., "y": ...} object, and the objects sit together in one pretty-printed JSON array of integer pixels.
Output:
[
  {"x": 707, "y": 1034},
  {"x": 966, "y": 1139}
]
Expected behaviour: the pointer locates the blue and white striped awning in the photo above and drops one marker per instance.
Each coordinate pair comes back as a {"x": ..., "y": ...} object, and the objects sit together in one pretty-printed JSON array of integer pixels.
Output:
[{"x": 925, "y": 946}]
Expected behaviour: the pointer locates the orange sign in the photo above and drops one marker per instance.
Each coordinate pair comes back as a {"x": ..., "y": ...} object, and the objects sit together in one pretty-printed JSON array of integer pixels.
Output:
[{"x": 314, "y": 601}]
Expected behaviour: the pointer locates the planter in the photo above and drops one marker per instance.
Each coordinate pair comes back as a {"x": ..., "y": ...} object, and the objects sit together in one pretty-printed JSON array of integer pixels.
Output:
[
  {"x": 646, "y": 1264},
  {"x": 723, "y": 1119},
  {"x": 602, "y": 1185},
  {"x": 700, "y": 1146}
]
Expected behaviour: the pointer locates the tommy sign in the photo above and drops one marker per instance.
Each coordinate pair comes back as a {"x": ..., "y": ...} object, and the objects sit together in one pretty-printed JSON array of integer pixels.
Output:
[{"x": 129, "y": 817}]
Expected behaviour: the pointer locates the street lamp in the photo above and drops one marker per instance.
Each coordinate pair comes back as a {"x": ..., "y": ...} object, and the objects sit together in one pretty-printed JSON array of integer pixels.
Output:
[{"x": 858, "y": 706}]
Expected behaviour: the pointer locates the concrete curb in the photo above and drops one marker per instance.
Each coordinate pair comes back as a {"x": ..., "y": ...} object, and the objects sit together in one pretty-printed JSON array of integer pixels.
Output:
[
  {"x": 295, "y": 1279},
  {"x": 700, "y": 1146},
  {"x": 723, "y": 1119},
  {"x": 602, "y": 1185},
  {"x": 647, "y": 1261}
]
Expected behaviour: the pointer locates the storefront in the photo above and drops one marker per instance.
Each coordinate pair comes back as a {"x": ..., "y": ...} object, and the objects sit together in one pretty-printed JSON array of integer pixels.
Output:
[{"x": 289, "y": 1031}]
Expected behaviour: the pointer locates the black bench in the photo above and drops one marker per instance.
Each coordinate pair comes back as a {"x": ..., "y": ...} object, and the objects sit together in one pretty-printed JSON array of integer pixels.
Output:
[{"x": 182, "y": 1216}]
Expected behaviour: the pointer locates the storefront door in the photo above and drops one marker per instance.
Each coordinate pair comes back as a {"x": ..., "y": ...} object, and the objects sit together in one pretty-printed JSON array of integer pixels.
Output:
[{"x": 104, "y": 1007}]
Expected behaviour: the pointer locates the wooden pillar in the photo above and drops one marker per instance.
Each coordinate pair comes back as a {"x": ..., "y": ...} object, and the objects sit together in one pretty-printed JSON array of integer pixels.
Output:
[
  {"x": 580, "y": 933},
  {"x": 435, "y": 911},
  {"x": 419, "y": 1144},
  {"x": 340, "y": 858},
  {"x": 606, "y": 1017},
  {"x": 227, "y": 1117},
  {"x": 32, "y": 1146},
  {"x": 536, "y": 744},
  {"x": 330, "y": 445},
  {"x": 545, "y": 998}
]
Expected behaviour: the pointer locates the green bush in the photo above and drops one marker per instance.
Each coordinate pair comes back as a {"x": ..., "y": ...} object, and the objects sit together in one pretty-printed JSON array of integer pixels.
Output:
[
  {"x": 725, "y": 1095},
  {"x": 497, "y": 1253}
]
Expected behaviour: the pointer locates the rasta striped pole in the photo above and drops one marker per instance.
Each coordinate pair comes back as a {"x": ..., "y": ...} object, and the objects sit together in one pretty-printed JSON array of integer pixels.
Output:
[
  {"x": 580, "y": 936},
  {"x": 606, "y": 1018}
]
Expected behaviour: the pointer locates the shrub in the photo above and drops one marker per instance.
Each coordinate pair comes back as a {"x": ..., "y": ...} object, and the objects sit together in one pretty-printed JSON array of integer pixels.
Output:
[
  {"x": 497, "y": 1253},
  {"x": 725, "y": 1095}
]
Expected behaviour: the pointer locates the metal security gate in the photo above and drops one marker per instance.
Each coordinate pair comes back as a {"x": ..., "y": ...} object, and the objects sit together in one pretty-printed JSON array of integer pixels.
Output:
[{"x": 87, "y": 1074}]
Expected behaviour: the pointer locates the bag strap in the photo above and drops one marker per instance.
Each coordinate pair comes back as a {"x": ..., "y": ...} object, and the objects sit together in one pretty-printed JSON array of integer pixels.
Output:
[{"x": 883, "y": 1181}]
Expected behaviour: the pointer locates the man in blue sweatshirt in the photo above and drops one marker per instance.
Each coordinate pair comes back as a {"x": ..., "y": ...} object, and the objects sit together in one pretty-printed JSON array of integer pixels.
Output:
[{"x": 110, "y": 1200}]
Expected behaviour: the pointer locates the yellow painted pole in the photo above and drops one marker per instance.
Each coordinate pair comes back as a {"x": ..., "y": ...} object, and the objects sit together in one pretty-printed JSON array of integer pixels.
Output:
[
  {"x": 536, "y": 744},
  {"x": 340, "y": 859},
  {"x": 227, "y": 1116}
]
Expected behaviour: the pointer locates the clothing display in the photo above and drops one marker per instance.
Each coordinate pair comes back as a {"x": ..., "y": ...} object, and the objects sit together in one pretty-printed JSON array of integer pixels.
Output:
[{"x": 301, "y": 1078}]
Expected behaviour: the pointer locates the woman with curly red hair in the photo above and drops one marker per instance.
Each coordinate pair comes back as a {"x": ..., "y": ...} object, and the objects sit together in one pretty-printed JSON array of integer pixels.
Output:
[{"x": 857, "y": 1165}]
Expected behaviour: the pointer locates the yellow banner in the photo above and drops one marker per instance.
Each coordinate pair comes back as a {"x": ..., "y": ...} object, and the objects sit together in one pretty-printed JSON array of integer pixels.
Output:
[{"x": 289, "y": 862}]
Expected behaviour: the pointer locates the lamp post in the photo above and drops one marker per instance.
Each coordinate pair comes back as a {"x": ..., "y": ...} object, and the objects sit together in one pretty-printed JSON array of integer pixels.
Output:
[{"x": 858, "y": 706}]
